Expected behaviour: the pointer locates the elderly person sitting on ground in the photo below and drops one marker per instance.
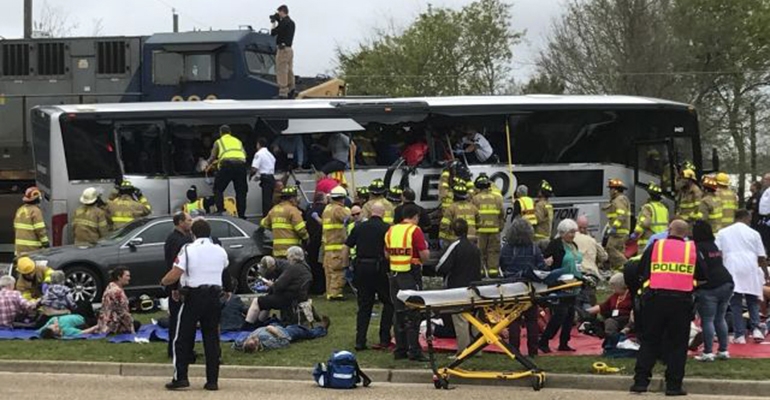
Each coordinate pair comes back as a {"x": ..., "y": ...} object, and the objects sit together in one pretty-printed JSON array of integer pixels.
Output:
[
  {"x": 57, "y": 299},
  {"x": 291, "y": 285},
  {"x": 12, "y": 304},
  {"x": 616, "y": 310},
  {"x": 276, "y": 336},
  {"x": 115, "y": 316}
]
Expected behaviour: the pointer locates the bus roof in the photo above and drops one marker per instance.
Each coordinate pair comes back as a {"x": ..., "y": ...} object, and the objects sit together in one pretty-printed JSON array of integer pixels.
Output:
[{"x": 483, "y": 104}]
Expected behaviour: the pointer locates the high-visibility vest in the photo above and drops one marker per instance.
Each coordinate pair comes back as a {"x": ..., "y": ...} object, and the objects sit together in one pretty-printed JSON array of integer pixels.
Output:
[
  {"x": 528, "y": 209},
  {"x": 230, "y": 149},
  {"x": 673, "y": 265},
  {"x": 398, "y": 242},
  {"x": 193, "y": 206},
  {"x": 729, "y": 205}
]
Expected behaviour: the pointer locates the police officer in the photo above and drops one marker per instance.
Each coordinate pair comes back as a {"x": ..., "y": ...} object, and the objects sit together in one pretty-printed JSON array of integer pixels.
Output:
[
  {"x": 618, "y": 213},
  {"x": 230, "y": 157},
  {"x": 334, "y": 218},
  {"x": 710, "y": 207},
  {"x": 377, "y": 194},
  {"x": 199, "y": 268},
  {"x": 90, "y": 221},
  {"x": 524, "y": 206},
  {"x": 126, "y": 207},
  {"x": 370, "y": 276},
  {"x": 728, "y": 197},
  {"x": 406, "y": 250},
  {"x": 668, "y": 270},
  {"x": 491, "y": 222},
  {"x": 652, "y": 218},
  {"x": 688, "y": 196},
  {"x": 286, "y": 222},
  {"x": 461, "y": 208},
  {"x": 544, "y": 214},
  {"x": 180, "y": 236},
  {"x": 28, "y": 224}
]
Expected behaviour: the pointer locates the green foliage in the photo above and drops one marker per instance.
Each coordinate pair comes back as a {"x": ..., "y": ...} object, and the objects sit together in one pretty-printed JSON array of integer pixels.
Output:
[{"x": 443, "y": 52}]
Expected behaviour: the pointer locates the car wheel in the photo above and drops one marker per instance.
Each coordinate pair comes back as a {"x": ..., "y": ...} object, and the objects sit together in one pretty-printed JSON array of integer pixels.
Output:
[
  {"x": 85, "y": 284},
  {"x": 249, "y": 276}
]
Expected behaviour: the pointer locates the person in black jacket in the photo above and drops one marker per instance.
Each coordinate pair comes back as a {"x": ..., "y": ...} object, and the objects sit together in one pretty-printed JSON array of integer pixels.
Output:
[
  {"x": 291, "y": 284},
  {"x": 713, "y": 297},
  {"x": 315, "y": 230},
  {"x": 460, "y": 265},
  {"x": 408, "y": 197},
  {"x": 179, "y": 237},
  {"x": 283, "y": 30}
]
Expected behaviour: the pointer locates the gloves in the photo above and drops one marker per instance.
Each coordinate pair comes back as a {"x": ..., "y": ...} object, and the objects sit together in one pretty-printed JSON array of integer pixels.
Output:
[
  {"x": 634, "y": 236},
  {"x": 45, "y": 287}
]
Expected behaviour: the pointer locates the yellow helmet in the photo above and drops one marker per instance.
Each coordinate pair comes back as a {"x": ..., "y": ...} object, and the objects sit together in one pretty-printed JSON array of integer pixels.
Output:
[
  {"x": 723, "y": 179},
  {"x": 654, "y": 189},
  {"x": 289, "y": 192},
  {"x": 689, "y": 174},
  {"x": 25, "y": 265}
]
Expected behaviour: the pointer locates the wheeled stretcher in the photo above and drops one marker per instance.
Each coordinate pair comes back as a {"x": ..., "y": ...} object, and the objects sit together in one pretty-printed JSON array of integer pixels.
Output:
[{"x": 490, "y": 307}]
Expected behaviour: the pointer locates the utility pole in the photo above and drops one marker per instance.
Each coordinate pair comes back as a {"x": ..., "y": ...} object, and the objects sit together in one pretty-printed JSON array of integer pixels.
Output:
[
  {"x": 176, "y": 20},
  {"x": 753, "y": 140},
  {"x": 27, "y": 19}
]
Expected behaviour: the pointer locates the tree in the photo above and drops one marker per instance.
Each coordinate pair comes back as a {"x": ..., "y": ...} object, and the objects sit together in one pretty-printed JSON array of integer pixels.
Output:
[
  {"x": 443, "y": 52},
  {"x": 543, "y": 83},
  {"x": 53, "y": 22}
]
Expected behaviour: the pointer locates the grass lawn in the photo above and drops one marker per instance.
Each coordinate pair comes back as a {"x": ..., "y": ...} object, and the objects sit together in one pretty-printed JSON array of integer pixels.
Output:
[{"x": 341, "y": 336}]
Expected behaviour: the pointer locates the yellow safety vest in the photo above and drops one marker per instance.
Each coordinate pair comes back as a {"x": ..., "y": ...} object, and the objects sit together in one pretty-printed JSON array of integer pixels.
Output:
[
  {"x": 398, "y": 242},
  {"x": 230, "y": 149},
  {"x": 528, "y": 209}
]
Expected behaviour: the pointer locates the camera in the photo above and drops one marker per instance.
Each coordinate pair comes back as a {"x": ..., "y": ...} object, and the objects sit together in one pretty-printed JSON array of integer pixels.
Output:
[{"x": 275, "y": 17}]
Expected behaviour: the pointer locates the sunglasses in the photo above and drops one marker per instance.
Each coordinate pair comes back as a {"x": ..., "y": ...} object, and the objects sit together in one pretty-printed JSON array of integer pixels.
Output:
[{"x": 356, "y": 214}]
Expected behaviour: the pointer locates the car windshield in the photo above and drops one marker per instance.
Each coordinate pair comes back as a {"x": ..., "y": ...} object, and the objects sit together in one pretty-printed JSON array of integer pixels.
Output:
[{"x": 125, "y": 231}]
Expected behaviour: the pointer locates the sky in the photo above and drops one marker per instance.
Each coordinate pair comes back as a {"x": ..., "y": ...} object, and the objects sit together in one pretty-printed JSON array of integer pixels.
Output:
[{"x": 322, "y": 25}]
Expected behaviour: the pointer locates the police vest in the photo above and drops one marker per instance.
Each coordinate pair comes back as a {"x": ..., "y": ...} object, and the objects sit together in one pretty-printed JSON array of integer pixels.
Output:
[
  {"x": 398, "y": 241},
  {"x": 528, "y": 209},
  {"x": 673, "y": 265},
  {"x": 230, "y": 149}
]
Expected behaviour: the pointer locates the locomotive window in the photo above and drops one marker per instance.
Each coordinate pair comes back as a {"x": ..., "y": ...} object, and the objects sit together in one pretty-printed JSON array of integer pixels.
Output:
[
  {"x": 260, "y": 63},
  {"x": 167, "y": 68},
  {"x": 225, "y": 65},
  {"x": 197, "y": 67}
]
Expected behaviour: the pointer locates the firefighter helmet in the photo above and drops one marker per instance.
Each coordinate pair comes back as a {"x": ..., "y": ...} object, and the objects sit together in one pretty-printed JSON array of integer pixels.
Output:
[
  {"x": 377, "y": 187},
  {"x": 31, "y": 194}
]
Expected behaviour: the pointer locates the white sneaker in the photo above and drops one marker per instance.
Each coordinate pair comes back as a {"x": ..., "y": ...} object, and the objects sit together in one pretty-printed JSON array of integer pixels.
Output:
[
  {"x": 757, "y": 335},
  {"x": 739, "y": 340},
  {"x": 723, "y": 355},
  {"x": 706, "y": 357}
]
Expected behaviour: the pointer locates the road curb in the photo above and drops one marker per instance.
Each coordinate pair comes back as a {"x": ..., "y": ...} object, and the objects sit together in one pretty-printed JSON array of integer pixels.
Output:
[{"x": 555, "y": 381}]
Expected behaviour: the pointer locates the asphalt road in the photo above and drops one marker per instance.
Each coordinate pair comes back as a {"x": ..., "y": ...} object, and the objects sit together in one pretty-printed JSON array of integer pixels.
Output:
[{"x": 21, "y": 386}]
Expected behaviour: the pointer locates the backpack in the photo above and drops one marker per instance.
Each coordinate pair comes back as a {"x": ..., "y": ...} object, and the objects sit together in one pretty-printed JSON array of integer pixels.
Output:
[{"x": 341, "y": 371}]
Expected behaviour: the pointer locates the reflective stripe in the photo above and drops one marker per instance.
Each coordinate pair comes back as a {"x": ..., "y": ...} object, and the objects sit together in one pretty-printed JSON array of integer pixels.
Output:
[
  {"x": 286, "y": 241},
  {"x": 281, "y": 225},
  {"x": 333, "y": 247},
  {"x": 122, "y": 219},
  {"x": 299, "y": 226},
  {"x": 24, "y": 242},
  {"x": 230, "y": 148},
  {"x": 25, "y": 227},
  {"x": 87, "y": 223},
  {"x": 331, "y": 226},
  {"x": 527, "y": 209},
  {"x": 398, "y": 242},
  {"x": 489, "y": 212},
  {"x": 488, "y": 230},
  {"x": 673, "y": 265},
  {"x": 541, "y": 236}
]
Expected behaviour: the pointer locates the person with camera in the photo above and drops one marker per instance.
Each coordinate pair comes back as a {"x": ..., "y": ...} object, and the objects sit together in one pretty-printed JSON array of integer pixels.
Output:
[
  {"x": 199, "y": 268},
  {"x": 283, "y": 30}
]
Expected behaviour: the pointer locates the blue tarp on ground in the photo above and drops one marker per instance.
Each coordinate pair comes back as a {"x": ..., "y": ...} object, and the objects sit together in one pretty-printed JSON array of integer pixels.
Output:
[{"x": 150, "y": 332}]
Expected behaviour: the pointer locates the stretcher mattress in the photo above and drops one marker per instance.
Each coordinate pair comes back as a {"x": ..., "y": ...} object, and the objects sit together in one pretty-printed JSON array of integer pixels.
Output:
[{"x": 458, "y": 296}]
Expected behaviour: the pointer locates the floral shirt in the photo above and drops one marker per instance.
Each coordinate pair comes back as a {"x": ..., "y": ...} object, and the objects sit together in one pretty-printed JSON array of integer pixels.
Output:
[{"x": 115, "y": 317}]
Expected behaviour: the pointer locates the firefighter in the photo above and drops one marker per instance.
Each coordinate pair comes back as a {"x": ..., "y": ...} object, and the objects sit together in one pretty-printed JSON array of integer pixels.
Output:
[
  {"x": 728, "y": 197},
  {"x": 688, "y": 196},
  {"x": 286, "y": 222},
  {"x": 461, "y": 208},
  {"x": 652, "y": 218},
  {"x": 395, "y": 196},
  {"x": 367, "y": 154},
  {"x": 230, "y": 157},
  {"x": 618, "y": 213},
  {"x": 524, "y": 206},
  {"x": 377, "y": 194},
  {"x": 335, "y": 216},
  {"x": 445, "y": 188},
  {"x": 710, "y": 207},
  {"x": 126, "y": 208},
  {"x": 33, "y": 278},
  {"x": 362, "y": 195},
  {"x": 90, "y": 223},
  {"x": 544, "y": 214},
  {"x": 668, "y": 270},
  {"x": 491, "y": 222},
  {"x": 28, "y": 224}
]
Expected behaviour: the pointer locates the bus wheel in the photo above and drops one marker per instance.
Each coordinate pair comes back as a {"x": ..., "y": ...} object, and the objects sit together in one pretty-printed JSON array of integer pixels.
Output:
[
  {"x": 85, "y": 283},
  {"x": 249, "y": 276}
]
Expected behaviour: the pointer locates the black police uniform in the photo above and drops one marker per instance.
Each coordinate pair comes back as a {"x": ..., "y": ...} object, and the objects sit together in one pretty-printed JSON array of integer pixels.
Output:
[
  {"x": 370, "y": 276},
  {"x": 174, "y": 243},
  {"x": 666, "y": 317},
  {"x": 205, "y": 266}
]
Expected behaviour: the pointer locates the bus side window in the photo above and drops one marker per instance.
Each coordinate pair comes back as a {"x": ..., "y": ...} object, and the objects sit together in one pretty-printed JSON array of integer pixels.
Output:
[
  {"x": 192, "y": 141},
  {"x": 140, "y": 148},
  {"x": 89, "y": 150}
]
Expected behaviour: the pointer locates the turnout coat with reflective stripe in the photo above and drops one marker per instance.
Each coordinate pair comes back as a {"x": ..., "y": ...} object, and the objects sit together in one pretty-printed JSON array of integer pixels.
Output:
[
  {"x": 288, "y": 227},
  {"x": 31, "y": 233}
]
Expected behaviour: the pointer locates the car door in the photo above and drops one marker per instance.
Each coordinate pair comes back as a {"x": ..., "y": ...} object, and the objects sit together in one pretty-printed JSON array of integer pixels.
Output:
[
  {"x": 234, "y": 241},
  {"x": 143, "y": 254}
]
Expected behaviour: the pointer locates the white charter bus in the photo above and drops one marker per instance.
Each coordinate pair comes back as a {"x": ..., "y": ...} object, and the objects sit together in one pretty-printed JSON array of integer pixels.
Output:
[{"x": 575, "y": 142}]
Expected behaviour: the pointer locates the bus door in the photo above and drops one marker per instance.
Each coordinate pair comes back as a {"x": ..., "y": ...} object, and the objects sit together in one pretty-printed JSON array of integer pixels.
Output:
[
  {"x": 141, "y": 151},
  {"x": 655, "y": 162}
]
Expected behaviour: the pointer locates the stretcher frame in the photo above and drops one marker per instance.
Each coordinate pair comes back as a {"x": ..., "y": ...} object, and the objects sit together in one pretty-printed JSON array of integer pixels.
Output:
[{"x": 501, "y": 312}]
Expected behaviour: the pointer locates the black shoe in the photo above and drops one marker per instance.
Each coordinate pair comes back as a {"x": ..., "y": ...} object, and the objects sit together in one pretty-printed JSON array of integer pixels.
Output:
[
  {"x": 676, "y": 392},
  {"x": 419, "y": 358},
  {"x": 544, "y": 348},
  {"x": 176, "y": 385},
  {"x": 361, "y": 347},
  {"x": 564, "y": 347},
  {"x": 638, "y": 388},
  {"x": 211, "y": 386},
  {"x": 400, "y": 356}
]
